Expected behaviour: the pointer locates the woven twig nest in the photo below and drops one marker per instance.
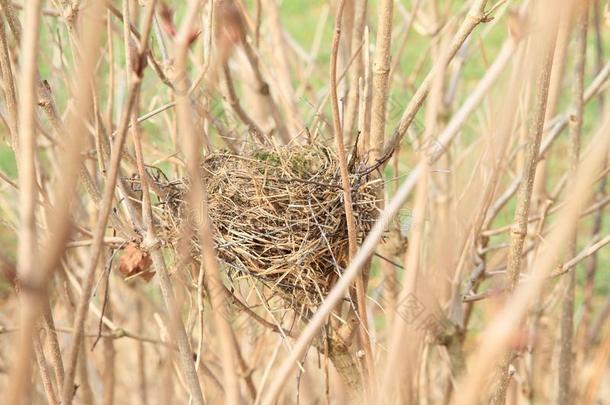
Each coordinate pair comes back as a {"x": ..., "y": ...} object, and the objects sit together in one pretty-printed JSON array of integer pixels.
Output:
[{"x": 278, "y": 217}]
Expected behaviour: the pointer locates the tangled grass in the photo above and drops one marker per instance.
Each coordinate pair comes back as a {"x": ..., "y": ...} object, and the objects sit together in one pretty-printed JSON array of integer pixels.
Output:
[{"x": 278, "y": 217}]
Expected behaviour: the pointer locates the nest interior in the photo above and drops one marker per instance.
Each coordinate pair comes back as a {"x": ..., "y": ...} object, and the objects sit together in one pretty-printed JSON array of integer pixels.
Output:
[{"x": 278, "y": 217}]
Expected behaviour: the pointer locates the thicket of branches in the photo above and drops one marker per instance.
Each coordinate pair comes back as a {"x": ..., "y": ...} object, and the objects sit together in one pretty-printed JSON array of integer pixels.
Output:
[{"x": 482, "y": 274}]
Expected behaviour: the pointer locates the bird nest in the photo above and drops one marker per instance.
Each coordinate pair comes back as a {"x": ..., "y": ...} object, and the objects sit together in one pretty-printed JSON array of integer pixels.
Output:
[{"x": 278, "y": 217}]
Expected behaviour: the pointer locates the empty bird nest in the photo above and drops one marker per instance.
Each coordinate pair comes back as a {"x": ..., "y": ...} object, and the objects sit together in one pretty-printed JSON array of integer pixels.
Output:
[{"x": 278, "y": 217}]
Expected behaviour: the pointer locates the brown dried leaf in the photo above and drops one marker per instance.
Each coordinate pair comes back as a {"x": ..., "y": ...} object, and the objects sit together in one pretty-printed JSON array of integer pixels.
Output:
[{"x": 135, "y": 262}]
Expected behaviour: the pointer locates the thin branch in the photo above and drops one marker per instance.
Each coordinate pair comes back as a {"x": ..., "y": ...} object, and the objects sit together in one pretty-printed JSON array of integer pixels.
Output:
[
  {"x": 474, "y": 17},
  {"x": 587, "y": 252},
  {"x": 239, "y": 111}
]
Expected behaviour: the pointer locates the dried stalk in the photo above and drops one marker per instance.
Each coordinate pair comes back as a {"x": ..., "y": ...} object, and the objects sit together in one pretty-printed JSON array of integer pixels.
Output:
[
  {"x": 496, "y": 336},
  {"x": 368, "y": 360},
  {"x": 364, "y": 104},
  {"x": 285, "y": 88},
  {"x": 474, "y": 17},
  {"x": 45, "y": 373},
  {"x": 108, "y": 374},
  {"x": 53, "y": 344},
  {"x": 84, "y": 388},
  {"x": 559, "y": 124},
  {"x": 9, "y": 274},
  {"x": 564, "y": 382},
  {"x": 519, "y": 230},
  {"x": 9, "y": 85},
  {"x": 98, "y": 236},
  {"x": 401, "y": 359},
  {"x": 265, "y": 93},
  {"x": 356, "y": 71},
  {"x": 279, "y": 247},
  {"x": 239, "y": 111},
  {"x": 585, "y": 253},
  {"x": 142, "y": 386},
  {"x": 11, "y": 17},
  {"x": 381, "y": 73},
  {"x": 380, "y": 90},
  {"x": 592, "y": 264},
  {"x": 151, "y": 242},
  {"x": 539, "y": 193},
  {"x": 198, "y": 201},
  {"x": 601, "y": 360},
  {"x": 59, "y": 223},
  {"x": 27, "y": 255}
]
